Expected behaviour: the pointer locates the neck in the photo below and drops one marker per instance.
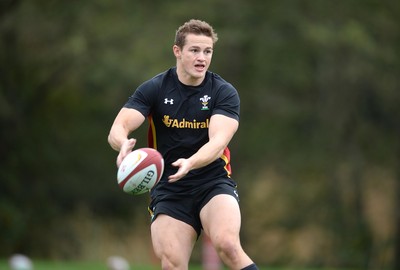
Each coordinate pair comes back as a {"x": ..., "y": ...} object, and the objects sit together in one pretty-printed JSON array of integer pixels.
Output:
[{"x": 187, "y": 79}]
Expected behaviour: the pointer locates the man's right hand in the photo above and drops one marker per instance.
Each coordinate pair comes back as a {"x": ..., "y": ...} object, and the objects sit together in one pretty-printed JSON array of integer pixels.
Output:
[{"x": 126, "y": 148}]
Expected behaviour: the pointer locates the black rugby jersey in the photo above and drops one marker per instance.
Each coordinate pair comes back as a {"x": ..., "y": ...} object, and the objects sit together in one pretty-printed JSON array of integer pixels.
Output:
[{"x": 179, "y": 116}]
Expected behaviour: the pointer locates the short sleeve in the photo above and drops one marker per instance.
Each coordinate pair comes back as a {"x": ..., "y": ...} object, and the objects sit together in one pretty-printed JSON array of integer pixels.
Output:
[
  {"x": 228, "y": 102},
  {"x": 143, "y": 98}
]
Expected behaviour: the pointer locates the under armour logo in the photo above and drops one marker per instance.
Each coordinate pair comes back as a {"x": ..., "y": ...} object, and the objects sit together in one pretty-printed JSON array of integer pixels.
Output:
[{"x": 170, "y": 101}]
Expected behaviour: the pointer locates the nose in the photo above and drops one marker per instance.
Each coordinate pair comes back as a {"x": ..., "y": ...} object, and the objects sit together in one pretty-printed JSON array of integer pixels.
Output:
[{"x": 201, "y": 56}]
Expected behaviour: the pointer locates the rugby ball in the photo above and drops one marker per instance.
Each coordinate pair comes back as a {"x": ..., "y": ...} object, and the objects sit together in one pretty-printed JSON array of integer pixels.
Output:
[{"x": 140, "y": 171}]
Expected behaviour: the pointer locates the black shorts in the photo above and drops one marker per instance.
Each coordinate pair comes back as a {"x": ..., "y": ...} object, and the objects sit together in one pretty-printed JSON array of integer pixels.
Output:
[{"x": 187, "y": 207}]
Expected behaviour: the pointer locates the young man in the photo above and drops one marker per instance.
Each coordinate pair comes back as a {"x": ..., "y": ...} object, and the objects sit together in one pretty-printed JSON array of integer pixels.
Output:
[{"x": 193, "y": 115}]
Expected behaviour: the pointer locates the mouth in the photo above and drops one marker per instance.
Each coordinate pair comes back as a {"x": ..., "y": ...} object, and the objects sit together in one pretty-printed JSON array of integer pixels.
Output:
[{"x": 200, "y": 67}]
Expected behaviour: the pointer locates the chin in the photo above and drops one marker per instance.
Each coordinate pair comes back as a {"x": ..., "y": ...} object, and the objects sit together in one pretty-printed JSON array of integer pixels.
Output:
[{"x": 199, "y": 74}]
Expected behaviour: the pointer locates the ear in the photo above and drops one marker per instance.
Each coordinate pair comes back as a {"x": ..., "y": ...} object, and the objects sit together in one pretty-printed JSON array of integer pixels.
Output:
[{"x": 177, "y": 51}]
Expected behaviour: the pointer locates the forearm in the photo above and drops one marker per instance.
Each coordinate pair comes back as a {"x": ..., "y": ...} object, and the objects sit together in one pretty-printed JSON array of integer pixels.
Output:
[
  {"x": 221, "y": 131},
  {"x": 117, "y": 136},
  {"x": 207, "y": 154},
  {"x": 126, "y": 122}
]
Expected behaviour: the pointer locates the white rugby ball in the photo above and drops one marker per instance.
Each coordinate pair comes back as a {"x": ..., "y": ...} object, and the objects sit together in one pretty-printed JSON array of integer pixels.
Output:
[{"x": 140, "y": 171}]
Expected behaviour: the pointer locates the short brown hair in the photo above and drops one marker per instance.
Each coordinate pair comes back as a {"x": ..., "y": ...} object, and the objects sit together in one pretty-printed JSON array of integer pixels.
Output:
[{"x": 196, "y": 27}]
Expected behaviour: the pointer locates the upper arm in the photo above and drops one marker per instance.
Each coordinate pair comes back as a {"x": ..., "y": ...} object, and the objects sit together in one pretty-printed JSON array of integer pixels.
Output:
[
  {"x": 128, "y": 119},
  {"x": 222, "y": 128}
]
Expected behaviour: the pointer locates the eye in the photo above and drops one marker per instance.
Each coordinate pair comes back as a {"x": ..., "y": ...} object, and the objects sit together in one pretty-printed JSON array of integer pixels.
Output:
[
  {"x": 194, "y": 50},
  {"x": 208, "y": 51}
]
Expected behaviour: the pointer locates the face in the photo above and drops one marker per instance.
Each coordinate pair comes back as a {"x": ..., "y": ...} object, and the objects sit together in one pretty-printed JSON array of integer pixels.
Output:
[{"x": 194, "y": 59}]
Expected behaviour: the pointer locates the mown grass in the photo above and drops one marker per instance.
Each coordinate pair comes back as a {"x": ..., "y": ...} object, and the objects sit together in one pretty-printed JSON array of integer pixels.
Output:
[
  {"x": 61, "y": 265},
  {"x": 76, "y": 265}
]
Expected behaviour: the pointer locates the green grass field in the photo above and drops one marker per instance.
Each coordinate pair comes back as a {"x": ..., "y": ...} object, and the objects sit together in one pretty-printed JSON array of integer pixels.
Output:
[{"x": 58, "y": 265}]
